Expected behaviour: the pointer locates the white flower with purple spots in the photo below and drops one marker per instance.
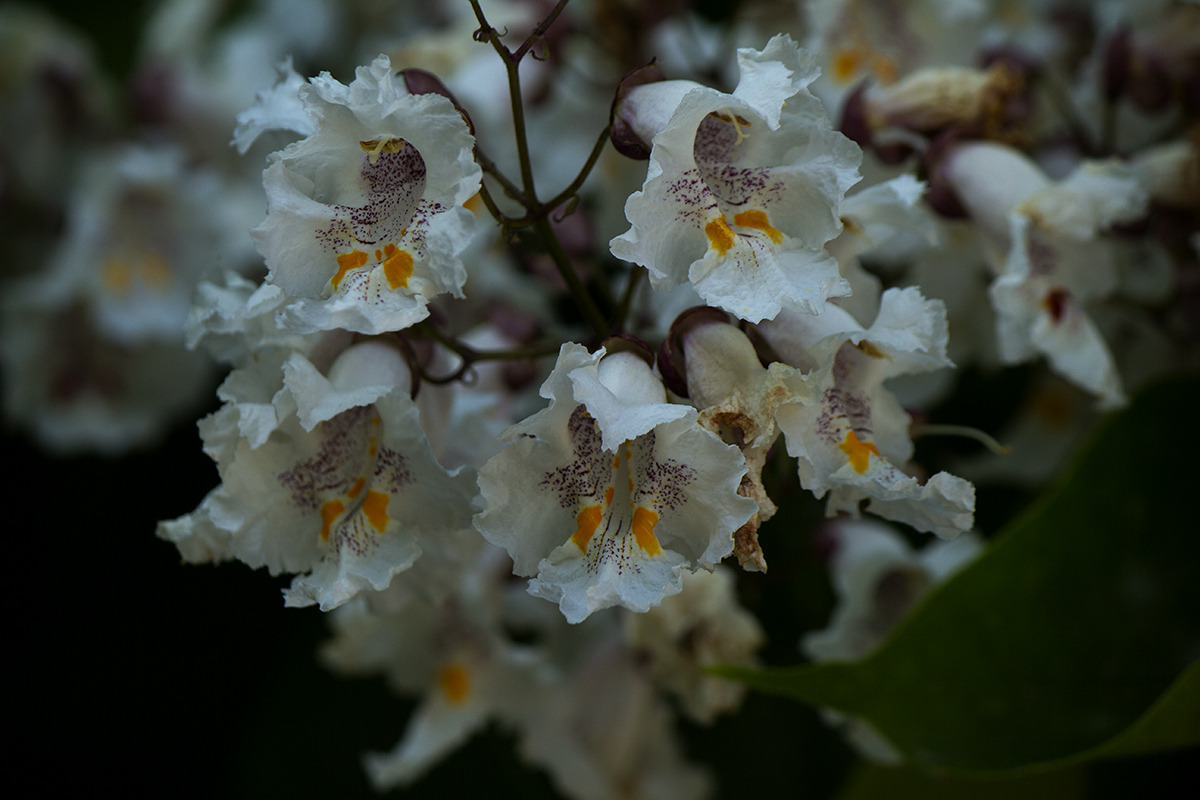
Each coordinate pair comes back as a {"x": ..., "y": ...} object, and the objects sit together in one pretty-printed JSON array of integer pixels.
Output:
[
  {"x": 742, "y": 190},
  {"x": 852, "y": 440},
  {"x": 342, "y": 489},
  {"x": 602, "y": 524},
  {"x": 365, "y": 220}
]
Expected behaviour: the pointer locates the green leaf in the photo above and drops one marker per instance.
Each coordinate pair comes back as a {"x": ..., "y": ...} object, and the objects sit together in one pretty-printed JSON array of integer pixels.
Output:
[{"x": 1055, "y": 644}]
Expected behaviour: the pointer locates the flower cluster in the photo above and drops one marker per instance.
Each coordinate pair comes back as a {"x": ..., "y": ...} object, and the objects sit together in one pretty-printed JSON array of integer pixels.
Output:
[{"x": 456, "y": 413}]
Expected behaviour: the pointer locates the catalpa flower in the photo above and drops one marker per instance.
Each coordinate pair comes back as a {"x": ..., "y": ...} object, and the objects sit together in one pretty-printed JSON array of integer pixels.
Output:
[
  {"x": 742, "y": 190},
  {"x": 604, "y": 519},
  {"x": 365, "y": 220},
  {"x": 1053, "y": 260},
  {"x": 453, "y": 655},
  {"x": 701, "y": 627},
  {"x": 852, "y": 440},
  {"x": 339, "y": 484},
  {"x": 879, "y": 579}
]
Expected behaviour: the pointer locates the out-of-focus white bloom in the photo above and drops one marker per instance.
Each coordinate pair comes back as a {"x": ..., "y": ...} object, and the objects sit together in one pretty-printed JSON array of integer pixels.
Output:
[
  {"x": 878, "y": 579},
  {"x": 601, "y": 526},
  {"x": 196, "y": 74},
  {"x": 851, "y": 439},
  {"x": 365, "y": 219},
  {"x": 94, "y": 345},
  {"x": 700, "y": 627},
  {"x": 606, "y": 733},
  {"x": 1047, "y": 237},
  {"x": 53, "y": 105},
  {"x": 78, "y": 391},
  {"x": 884, "y": 42},
  {"x": 742, "y": 190},
  {"x": 452, "y": 654},
  {"x": 333, "y": 478},
  {"x": 142, "y": 230}
]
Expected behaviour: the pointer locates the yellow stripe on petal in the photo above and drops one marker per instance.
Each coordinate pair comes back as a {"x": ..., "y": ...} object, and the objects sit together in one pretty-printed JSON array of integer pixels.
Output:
[
  {"x": 329, "y": 513},
  {"x": 587, "y": 521},
  {"x": 644, "y": 521},
  {"x": 845, "y": 64},
  {"x": 720, "y": 235},
  {"x": 374, "y": 508},
  {"x": 858, "y": 451},
  {"x": 346, "y": 262},
  {"x": 455, "y": 683},
  {"x": 758, "y": 221},
  {"x": 356, "y": 488},
  {"x": 397, "y": 266}
]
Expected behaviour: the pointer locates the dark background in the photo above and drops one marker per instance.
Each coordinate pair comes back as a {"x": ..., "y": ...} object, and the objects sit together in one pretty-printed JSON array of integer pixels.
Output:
[{"x": 133, "y": 672}]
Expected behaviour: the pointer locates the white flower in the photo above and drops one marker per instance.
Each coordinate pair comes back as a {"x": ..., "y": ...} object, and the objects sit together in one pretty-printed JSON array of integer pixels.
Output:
[
  {"x": 602, "y": 520},
  {"x": 737, "y": 398},
  {"x": 850, "y": 441},
  {"x": 331, "y": 477},
  {"x": 608, "y": 734},
  {"x": 1047, "y": 244},
  {"x": 365, "y": 219},
  {"x": 702, "y": 626},
  {"x": 452, "y": 654},
  {"x": 742, "y": 189},
  {"x": 878, "y": 579},
  {"x": 878, "y": 219}
]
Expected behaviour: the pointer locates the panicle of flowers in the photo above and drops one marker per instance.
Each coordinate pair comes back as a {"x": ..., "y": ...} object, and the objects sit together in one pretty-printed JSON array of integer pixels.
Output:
[{"x": 537, "y": 331}]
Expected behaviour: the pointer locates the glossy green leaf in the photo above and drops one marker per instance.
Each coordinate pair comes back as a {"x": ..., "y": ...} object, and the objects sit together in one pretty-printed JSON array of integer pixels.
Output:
[{"x": 1058, "y": 642}]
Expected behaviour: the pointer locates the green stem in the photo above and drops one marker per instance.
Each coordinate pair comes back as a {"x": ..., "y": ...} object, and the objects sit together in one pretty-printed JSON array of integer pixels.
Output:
[
  {"x": 927, "y": 429},
  {"x": 631, "y": 286},
  {"x": 586, "y": 305},
  {"x": 577, "y": 184},
  {"x": 539, "y": 31},
  {"x": 535, "y": 211},
  {"x": 489, "y": 166}
]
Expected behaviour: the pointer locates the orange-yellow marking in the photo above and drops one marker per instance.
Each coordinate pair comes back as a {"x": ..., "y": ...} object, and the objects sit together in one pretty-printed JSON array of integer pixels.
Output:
[
  {"x": 758, "y": 221},
  {"x": 474, "y": 204},
  {"x": 616, "y": 460},
  {"x": 588, "y": 520},
  {"x": 455, "y": 683},
  {"x": 859, "y": 452},
  {"x": 348, "y": 261},
  {"x": 374, "y": 508},
  {"x": 384, "y": 144},
  {"x": 845, "y": 64},
  {"x": 116, "y": 275},
  {"x": 329, "y": 513},
  {"x": 720, "y": 235},
  {"x": 357, "y": 487},
  {"x": 866, "y": 348},
  {"x": 397, "y": 266},
  {"x": 608, "y": 494},
  {"x": 644, "y": 521}
]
